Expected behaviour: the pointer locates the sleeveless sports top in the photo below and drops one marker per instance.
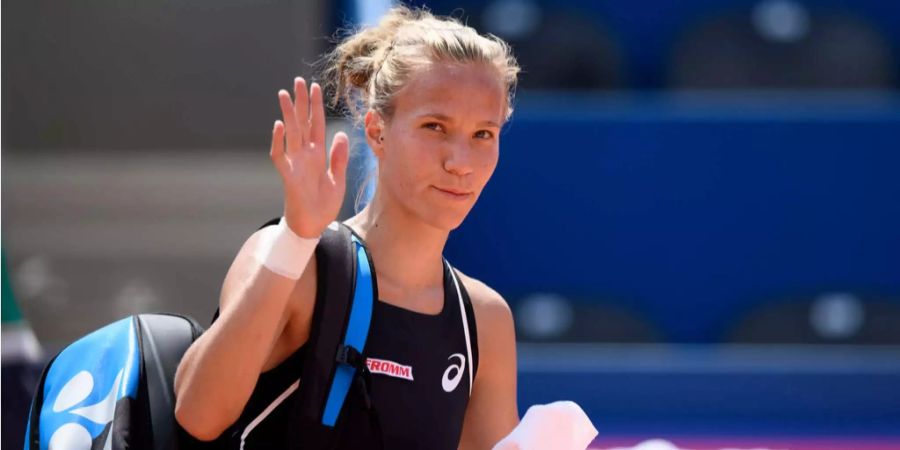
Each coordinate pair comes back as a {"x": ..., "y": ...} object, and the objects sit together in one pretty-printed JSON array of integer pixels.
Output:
[{"x": 421, "y": 369}]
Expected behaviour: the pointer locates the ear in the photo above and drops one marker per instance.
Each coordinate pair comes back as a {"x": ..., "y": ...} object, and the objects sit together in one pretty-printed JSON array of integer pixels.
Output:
[{"x": 374, "y": 128}]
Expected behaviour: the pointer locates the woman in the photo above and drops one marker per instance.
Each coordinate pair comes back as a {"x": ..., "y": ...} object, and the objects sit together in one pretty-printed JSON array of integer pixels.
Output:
[{"x": 432, "y": 95}]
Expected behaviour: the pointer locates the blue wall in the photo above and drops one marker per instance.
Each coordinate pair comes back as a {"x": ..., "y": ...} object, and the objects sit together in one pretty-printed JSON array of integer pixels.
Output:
[{"x": 691, "y": 210}]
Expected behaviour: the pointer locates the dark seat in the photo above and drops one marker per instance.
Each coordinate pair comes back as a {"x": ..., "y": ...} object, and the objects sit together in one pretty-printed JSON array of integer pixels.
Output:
[
  {"x": 554, "y": 318},
  {"x": 782, "y": 44},
  {"x": 558, "y": 48},
  {"x": 835, "y": 318}
]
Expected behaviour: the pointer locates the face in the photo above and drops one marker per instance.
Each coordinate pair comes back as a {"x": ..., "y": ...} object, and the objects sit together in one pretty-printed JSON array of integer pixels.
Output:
[{"x": 441, "y": 145}]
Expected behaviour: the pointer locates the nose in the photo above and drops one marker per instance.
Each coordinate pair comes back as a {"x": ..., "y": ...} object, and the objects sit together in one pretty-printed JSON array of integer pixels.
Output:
[{"x": 459, "y": 159}]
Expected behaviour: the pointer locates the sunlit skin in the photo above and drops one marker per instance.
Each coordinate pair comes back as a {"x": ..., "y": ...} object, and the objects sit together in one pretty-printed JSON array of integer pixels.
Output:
[
  {"x": 436, "y": 153},
  {"x": 441, "y": 145}
]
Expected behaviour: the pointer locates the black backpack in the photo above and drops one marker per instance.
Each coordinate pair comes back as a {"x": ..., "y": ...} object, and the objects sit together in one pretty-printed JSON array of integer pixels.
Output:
[
  {"x": 333, "y": 363},
  {"x": 113, "y": 388}
]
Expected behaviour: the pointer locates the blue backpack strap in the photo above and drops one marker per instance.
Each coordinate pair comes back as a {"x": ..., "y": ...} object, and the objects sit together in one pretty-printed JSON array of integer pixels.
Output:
[
  {"x": 333, "y": 361},
  {"x": 349, "y": 353}
]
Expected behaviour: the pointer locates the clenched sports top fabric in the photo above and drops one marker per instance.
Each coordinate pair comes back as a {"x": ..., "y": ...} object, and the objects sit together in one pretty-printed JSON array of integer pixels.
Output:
[{"x": 422, "y": 368}]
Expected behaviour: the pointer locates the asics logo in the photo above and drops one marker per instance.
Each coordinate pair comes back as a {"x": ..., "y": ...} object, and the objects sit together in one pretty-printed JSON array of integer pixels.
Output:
[{"x": 450, "y": 384}]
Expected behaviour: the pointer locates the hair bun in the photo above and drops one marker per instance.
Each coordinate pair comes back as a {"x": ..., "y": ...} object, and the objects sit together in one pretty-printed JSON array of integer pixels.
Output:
[{"x": 365, "y": 69}]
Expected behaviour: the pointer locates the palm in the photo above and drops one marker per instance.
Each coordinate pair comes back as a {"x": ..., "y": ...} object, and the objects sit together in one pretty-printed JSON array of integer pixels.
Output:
[{"x": 313, "y": 191}]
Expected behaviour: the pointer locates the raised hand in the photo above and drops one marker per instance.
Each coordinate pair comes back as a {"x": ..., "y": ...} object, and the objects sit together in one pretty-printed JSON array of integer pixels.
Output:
[{"x": 313, "y": 192}]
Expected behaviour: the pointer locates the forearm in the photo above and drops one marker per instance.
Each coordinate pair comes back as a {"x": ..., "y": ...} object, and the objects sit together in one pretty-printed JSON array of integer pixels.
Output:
[{"x": 219, "y": 371}]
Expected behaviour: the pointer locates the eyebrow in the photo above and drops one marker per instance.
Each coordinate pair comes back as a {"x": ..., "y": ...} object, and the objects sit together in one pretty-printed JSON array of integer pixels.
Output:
[{"x": 444, "y": 118}]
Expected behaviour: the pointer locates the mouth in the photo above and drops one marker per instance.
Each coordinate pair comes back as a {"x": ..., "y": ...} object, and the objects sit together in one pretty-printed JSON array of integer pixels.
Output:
[{"x": 454, "y": 193}]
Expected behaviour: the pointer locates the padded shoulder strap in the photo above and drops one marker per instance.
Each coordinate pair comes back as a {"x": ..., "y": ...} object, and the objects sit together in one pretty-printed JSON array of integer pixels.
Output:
[
  {"x": 164, "y": 338},
  {"x": 336, "y": 269},
  {"x": 350, "y": 352}
]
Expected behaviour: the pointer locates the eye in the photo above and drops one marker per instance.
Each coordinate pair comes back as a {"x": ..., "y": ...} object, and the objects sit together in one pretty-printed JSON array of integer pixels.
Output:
[
  {"x": 434, "y": 126},
  {"x": 484, "y": 134}
]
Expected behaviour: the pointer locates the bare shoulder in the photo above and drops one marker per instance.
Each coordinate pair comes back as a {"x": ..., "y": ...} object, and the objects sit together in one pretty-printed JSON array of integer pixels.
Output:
[
  {"x": 491, "y": 310},
  {"x": 492, "y": 412}
]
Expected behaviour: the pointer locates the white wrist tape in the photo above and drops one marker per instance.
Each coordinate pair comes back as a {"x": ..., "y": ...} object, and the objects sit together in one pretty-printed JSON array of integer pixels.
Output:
[{"x": 284, "y": 252}]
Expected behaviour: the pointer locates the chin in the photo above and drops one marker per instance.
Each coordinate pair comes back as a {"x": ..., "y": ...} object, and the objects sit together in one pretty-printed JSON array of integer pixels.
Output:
[
  {"x": 446, "y": 220},
  {"x": 442, "y": 215}
]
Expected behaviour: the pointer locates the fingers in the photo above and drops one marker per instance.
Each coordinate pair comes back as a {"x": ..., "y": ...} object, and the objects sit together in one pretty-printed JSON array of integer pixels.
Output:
[
  {"x": 276, "y": 152},
  {"x": 340, "y": 155},
  {"x": 301, "y": 108},
  {"x": 291, "y": 126},
  {"x": 304, "y": 124},
  {"x": 317, "y": 111}
]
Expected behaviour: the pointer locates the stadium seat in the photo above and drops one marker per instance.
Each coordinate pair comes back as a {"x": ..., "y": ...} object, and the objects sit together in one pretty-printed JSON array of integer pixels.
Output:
[
  {"x": 830, "y": 318},
  {"x": 782, "y": 44},
  {"x": 554, "y": 318},
  {"x": 557, "y": 49}
]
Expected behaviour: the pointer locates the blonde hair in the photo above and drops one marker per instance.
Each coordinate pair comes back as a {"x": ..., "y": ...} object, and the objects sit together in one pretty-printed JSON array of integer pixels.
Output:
[{"x": 367, "y": 68}]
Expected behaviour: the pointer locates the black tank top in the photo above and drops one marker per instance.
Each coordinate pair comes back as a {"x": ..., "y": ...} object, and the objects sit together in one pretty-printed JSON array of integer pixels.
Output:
[{"x": 421, "y": 382}]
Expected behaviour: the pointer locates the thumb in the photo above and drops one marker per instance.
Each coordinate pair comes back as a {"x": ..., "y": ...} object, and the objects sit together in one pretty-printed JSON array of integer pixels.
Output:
[{"x": 340, "y": 155}]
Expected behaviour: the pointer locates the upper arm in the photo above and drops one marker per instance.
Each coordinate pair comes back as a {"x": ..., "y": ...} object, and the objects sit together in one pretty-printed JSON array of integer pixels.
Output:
[
  {"x": 492, "y": 412},
  {"x": 240, "y": 273},
  {"x": 293, "y": 327}
]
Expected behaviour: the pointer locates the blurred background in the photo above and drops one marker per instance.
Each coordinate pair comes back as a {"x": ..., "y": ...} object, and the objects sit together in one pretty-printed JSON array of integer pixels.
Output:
[{"x": 696, "y": 216}]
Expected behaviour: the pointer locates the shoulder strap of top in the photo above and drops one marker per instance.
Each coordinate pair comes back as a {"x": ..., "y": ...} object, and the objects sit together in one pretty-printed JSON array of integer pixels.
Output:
[{"x": 467, "y": 314}]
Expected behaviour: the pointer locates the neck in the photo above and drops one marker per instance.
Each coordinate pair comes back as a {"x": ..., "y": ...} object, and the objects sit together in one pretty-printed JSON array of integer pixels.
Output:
[{"x": 407, "y": 252}]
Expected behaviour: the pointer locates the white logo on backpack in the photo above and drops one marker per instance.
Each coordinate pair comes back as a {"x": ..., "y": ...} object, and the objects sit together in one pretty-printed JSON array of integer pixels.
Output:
[
  {"x": 450, "y": 384},
  {"x": 73, "y": 436}
]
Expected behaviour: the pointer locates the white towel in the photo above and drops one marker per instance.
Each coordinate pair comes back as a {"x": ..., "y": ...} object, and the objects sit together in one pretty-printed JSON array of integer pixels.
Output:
[{"x": 556, "y": 426}]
